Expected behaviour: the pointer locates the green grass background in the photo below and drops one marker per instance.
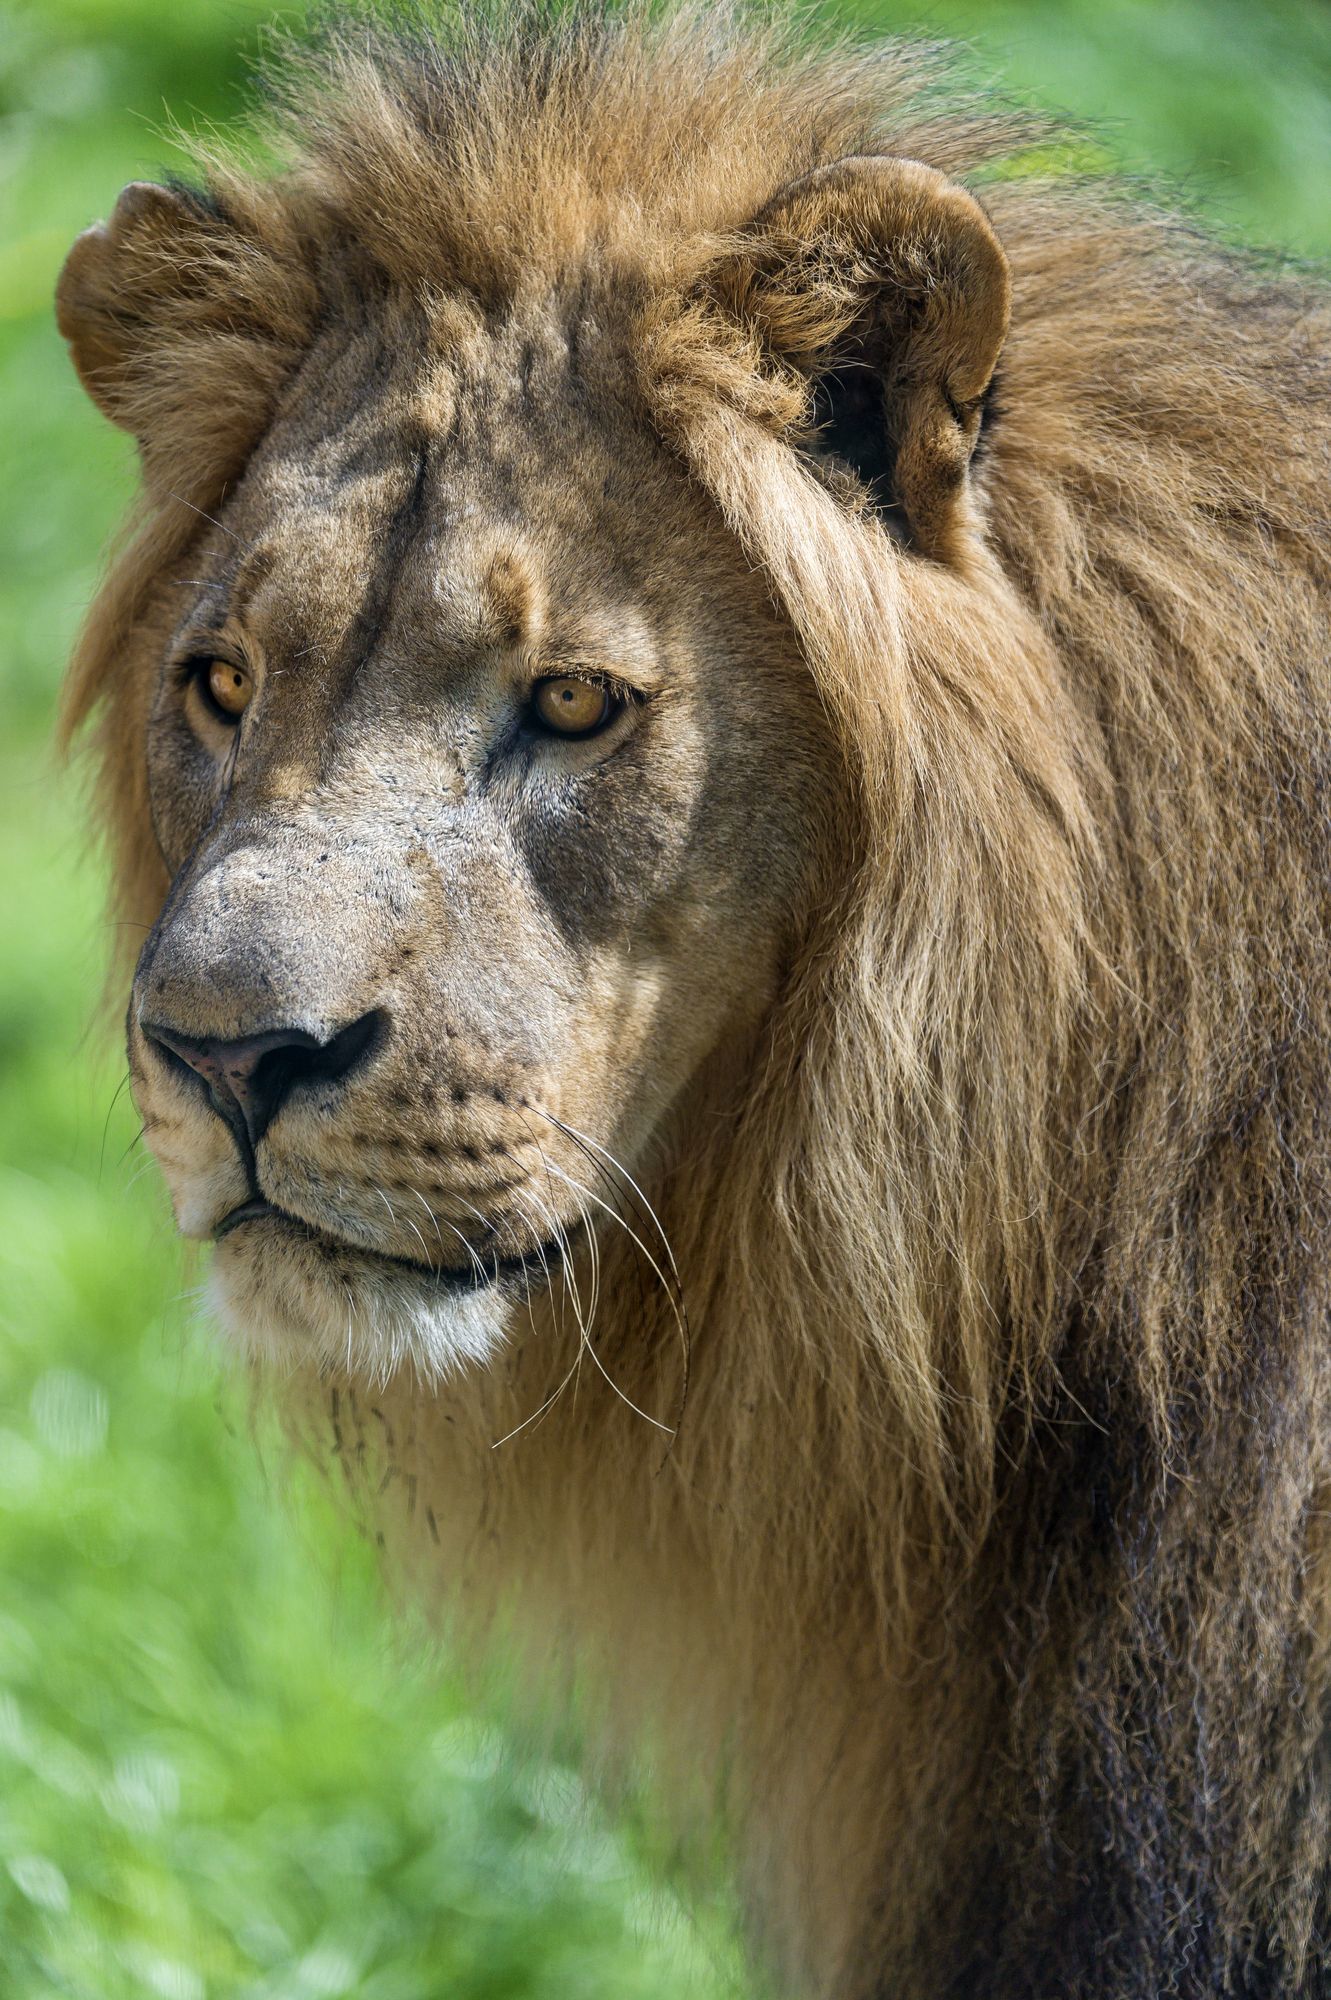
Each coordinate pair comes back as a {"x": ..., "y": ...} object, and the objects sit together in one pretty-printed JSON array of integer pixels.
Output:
[{"x": 222, "y": 1769}]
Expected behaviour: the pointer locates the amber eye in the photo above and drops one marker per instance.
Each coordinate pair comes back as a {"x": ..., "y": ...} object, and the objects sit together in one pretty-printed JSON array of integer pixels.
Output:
[
  {"x": 229, "y": 687},
  {"x": 572, "y": 707}
]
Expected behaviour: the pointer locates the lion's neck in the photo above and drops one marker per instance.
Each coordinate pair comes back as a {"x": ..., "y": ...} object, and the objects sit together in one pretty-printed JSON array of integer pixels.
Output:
[
  {"x": 725, "y": 1598},
  {"x": 711, "y": 1589}
]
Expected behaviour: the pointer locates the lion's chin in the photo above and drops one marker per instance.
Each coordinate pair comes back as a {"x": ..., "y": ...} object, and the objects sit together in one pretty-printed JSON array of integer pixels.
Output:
[{"x": 289, "y": 1299}]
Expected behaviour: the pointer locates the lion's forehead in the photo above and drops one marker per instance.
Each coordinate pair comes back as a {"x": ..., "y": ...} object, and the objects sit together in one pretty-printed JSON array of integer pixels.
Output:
[
  {"x": 506, "y": 501},
  {"x": 518, "y": 409}
]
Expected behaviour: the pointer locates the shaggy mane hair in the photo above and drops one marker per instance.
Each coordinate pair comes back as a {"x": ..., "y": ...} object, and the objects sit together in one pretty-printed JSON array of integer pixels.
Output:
[{"x": 990, "y": 1547}]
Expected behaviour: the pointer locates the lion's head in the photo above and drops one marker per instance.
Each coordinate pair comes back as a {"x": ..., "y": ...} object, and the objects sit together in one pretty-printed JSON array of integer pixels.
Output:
[
  {"x": 484, "y": 797},
  {"x": 487, "y": 790}
]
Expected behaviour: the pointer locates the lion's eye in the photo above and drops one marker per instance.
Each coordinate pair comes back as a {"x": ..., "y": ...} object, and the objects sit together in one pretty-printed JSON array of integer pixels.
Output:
[
  {"x": 229, "y": 687},
  {"x": 570, "y": 706}
]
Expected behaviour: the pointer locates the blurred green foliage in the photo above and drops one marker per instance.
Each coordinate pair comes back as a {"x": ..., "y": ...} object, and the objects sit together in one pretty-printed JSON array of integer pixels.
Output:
[{"x": 220, "y": 1773}]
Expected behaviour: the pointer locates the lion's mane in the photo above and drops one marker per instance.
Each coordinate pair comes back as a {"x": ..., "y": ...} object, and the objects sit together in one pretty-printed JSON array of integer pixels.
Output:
[{"x": 990, "y": 1546}]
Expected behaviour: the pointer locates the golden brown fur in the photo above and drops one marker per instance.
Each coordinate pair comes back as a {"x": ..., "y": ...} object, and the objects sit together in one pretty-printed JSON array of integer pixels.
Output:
[{"x": 984, "y": 1580}]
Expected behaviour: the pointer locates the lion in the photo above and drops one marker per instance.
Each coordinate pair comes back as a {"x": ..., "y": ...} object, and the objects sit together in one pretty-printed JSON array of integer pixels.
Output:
[{"x": 718, "y": 713}]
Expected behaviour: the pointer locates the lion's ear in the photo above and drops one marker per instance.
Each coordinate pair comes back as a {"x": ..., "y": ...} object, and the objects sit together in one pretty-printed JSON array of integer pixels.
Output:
[
  {"x": 120, "y": 281},
  {"x": 883, "y": 283},
  {"x": 183, "y": 319}
]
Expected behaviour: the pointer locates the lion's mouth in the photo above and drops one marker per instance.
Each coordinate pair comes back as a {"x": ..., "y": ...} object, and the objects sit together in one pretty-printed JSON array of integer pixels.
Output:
[{"x": 480, "y": 1274}]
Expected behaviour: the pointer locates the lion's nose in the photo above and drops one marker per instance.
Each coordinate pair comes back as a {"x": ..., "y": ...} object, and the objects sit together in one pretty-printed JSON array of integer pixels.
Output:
[{"x": 250, "y": 1079}]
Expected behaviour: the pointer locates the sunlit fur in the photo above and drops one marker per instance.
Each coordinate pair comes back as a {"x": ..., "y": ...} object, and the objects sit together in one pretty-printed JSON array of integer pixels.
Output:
[{"x": 984, "y": 1584}]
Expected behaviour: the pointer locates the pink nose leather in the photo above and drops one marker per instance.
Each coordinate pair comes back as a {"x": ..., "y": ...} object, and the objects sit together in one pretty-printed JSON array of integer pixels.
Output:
[{"x": 249, "y": 1079}]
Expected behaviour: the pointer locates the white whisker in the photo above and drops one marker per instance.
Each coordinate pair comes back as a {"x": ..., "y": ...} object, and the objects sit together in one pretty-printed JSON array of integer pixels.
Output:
[{"x": 600, "y": 1366}]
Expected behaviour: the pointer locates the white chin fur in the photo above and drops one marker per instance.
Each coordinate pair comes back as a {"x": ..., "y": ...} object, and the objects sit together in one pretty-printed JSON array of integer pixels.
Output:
[{"x": 284, "y": 1307}]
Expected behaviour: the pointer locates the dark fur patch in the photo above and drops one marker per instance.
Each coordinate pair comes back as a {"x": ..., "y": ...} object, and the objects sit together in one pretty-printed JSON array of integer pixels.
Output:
[{"x": 851, "y": 416}]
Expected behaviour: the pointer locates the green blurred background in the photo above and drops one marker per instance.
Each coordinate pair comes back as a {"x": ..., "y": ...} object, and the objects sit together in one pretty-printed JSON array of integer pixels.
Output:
[{"x": 223, "y": 1769}]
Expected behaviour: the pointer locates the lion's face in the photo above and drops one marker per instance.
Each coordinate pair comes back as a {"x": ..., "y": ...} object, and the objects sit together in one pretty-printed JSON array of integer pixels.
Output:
[
  {"x": 471, "y": 708},
  {"x": 486, "y": 782}
]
